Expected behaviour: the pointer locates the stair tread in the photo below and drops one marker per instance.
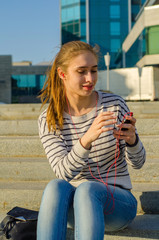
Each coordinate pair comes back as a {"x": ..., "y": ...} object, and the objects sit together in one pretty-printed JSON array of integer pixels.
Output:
[
  {"x": 137, "y": 187},
  {"x": 44, "y": 158},
  {"x": 143, "y": 227}
]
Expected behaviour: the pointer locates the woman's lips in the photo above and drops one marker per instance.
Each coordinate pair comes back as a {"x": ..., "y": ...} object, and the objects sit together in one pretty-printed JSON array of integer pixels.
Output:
[{"x": 88, "y": 87}]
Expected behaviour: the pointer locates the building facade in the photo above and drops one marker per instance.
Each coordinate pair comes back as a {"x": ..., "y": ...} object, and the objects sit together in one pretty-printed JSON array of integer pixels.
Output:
[
  {"x": 5, "y": 78},
  {"x": 20, "y": 82},
  {"x": 103, "y": 23},
  {"x": 146, "y": 32}
]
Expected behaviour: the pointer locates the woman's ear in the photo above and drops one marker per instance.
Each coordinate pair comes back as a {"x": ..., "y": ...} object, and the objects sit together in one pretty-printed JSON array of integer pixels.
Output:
[{"x": 61, "y": 73}]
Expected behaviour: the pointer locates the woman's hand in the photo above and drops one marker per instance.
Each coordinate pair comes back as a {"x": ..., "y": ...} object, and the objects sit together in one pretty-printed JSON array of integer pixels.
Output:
[
  {"x": 100, "y": 124},
  {"x": 129, "y": 135}
]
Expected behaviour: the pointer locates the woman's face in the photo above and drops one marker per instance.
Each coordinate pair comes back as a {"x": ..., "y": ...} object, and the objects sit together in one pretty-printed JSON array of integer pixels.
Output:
[{"x": 81, "y": 75}]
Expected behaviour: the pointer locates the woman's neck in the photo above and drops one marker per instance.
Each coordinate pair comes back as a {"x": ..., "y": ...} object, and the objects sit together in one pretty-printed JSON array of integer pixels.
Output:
[{"x": 77, "y": 106}]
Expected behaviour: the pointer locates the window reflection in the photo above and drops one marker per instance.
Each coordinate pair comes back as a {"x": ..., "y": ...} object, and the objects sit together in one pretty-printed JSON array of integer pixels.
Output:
[
  {"x": 68, "y": 2},
  {"x": 71, "y": 13},
  {"x": 114, "y": 11},
  {"x": 26, "y": 86},
  {"x": 115, "y": 28},
  {"x": 115, "y": 45}
]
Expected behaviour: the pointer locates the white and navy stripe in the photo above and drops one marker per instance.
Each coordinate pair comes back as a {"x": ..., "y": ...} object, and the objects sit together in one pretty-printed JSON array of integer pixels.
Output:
[{"x": 69, "y": 160}]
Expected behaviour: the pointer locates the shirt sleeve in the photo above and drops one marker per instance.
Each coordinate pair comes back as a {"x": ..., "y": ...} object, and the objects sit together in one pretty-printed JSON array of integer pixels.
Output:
[
  {"x": 65, "y": 164},
  {"x": 135, "y": 154}
]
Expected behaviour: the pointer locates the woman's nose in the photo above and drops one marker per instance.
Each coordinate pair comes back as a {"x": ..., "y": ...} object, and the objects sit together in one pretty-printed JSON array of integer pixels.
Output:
[{"x": 89, "y": 77}]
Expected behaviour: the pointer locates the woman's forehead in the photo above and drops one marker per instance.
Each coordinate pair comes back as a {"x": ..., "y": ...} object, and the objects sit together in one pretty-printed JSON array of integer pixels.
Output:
[{"x": 83, "y": 60}]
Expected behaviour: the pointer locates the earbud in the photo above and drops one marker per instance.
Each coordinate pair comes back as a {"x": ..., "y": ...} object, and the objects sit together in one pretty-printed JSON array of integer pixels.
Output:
[{"x": 62, "y": 75}]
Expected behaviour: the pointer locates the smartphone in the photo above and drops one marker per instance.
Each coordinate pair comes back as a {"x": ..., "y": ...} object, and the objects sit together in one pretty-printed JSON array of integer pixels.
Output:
[{"x": 127, "y": 121}]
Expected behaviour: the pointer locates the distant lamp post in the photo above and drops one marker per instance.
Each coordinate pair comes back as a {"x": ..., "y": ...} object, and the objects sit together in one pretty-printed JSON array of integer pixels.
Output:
[
  {"x": 140, "y": 73},
  {"x": 107, "y": 63}
]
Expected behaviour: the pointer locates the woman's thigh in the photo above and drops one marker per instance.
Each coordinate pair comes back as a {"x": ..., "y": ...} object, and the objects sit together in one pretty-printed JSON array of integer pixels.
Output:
[
  {"x": 52, "y": 219},
  {"x": 118, "y": 205},
  {"x": 120, "y": 208}
]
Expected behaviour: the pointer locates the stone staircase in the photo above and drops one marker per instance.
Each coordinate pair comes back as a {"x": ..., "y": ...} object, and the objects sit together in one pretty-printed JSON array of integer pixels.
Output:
[{"x": 24, "y": 169}]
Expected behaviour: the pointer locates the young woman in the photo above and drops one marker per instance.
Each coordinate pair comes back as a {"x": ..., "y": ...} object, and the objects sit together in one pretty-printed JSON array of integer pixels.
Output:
[{"x": 81, "y": 131}]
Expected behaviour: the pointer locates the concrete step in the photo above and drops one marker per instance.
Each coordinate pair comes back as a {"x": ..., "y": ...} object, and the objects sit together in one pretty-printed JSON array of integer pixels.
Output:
[
  {"x": 149, "y": 110},
  {"x": 143, "y": 227},
  {"x": 147, "y": 196},
  {"x": 147, "y": 116},
  {"x": 38, "y": 169},
  {"x": 30, "y": 127},
  {"x": 28, "y": 194},
  {"x": 20, "y": 111},
  {"x": 32, "y": 111},
  {"x": 25, "y": 169},
  {"x": 144, "y": 106},
  {"x": 148, "y": 173},
  {"x": 19, "y": 127},
  {"x": 30, "y": 146}
]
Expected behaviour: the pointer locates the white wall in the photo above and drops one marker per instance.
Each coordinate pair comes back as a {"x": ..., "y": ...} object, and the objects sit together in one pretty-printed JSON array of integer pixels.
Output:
[{"x": 127, "y": 83}]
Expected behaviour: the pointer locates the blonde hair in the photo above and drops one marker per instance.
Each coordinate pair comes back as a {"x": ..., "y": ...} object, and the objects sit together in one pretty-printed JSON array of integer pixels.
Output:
[{"x": 53, "y": 90}]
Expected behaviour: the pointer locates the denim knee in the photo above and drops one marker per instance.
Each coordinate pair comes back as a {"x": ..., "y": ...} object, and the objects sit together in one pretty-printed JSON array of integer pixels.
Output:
[
  {"x": 90, "y": 190},
  {"x": 83, "y": 189},
  {"x": 56, "y": 186},
  {"x": 82, "y": 192}
]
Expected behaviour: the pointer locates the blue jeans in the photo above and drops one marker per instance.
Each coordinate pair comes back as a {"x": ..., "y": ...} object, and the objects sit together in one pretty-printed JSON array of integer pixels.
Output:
[{"x": 89, "y": 207}]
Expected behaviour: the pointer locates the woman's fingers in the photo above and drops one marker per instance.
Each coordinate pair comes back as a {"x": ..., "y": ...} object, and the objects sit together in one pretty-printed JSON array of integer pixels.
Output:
[
  {"x": 129, "y": 135},
  {"x": 131, "y": 119},
  {"x": 103, "y": 122},
  {"x": 105, "y": 119}
]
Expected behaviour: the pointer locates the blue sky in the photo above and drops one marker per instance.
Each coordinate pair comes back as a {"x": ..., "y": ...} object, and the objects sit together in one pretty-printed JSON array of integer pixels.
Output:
[{"x": 29, "y": 29}]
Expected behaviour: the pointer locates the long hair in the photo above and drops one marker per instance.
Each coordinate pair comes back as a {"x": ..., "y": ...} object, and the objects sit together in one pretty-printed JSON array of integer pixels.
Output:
[{"x": 53, "y": 90}]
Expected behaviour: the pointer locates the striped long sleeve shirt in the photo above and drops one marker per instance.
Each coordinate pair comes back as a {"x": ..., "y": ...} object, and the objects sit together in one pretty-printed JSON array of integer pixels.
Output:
[{"x": 75, "y": 164}]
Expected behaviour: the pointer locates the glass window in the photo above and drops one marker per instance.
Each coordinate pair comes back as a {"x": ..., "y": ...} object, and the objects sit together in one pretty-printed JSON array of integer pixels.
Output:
[
  {"x": 115, "y": 28},
  {"x": 76, "y": 27},
  {"x": 25, "y": 80},
  {"x": 72, "y": 1},
  {"x": 71, "y": 13},
  {"x": 83, "y": 11},
  {"x": 114, "y": 45},
  {"x": 42, "y": 81},
  {"x": 83, "y": 29},
  {"x": 69, "y": 2},
  {"x": 114, "y": 11},
  {"x": 70, "y": 28},
  {"x": 76, "y": 12},
  {"x": 63, "y": 15},
  {"x": 26, "y": 88},
  {"x": 29, "y": 81},
  {"x": 63, "y": 2}
]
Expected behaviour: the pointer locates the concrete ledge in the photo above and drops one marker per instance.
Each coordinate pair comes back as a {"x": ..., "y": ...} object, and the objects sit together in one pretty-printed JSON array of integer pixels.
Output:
[
  {"x": 143, "y": 227},
  {"x": 38, "y": 169},
  {"x": 28, "y": 194},
  {"x": 30, "y": 127},
  {"x": 27, "y": 146},
  {"x": 149, "y": 109}
]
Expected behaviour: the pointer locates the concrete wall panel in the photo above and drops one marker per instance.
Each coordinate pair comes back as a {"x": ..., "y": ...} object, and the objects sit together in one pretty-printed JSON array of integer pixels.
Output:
[
  {"x": 130, "y": 84},
  {"x": 5, "y": 78}
]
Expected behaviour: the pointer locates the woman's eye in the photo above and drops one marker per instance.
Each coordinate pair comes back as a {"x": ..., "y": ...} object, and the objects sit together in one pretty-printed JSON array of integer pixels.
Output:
[
  {"x": 85, "y": 71},
  {"x": 81, "y": 72}
]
